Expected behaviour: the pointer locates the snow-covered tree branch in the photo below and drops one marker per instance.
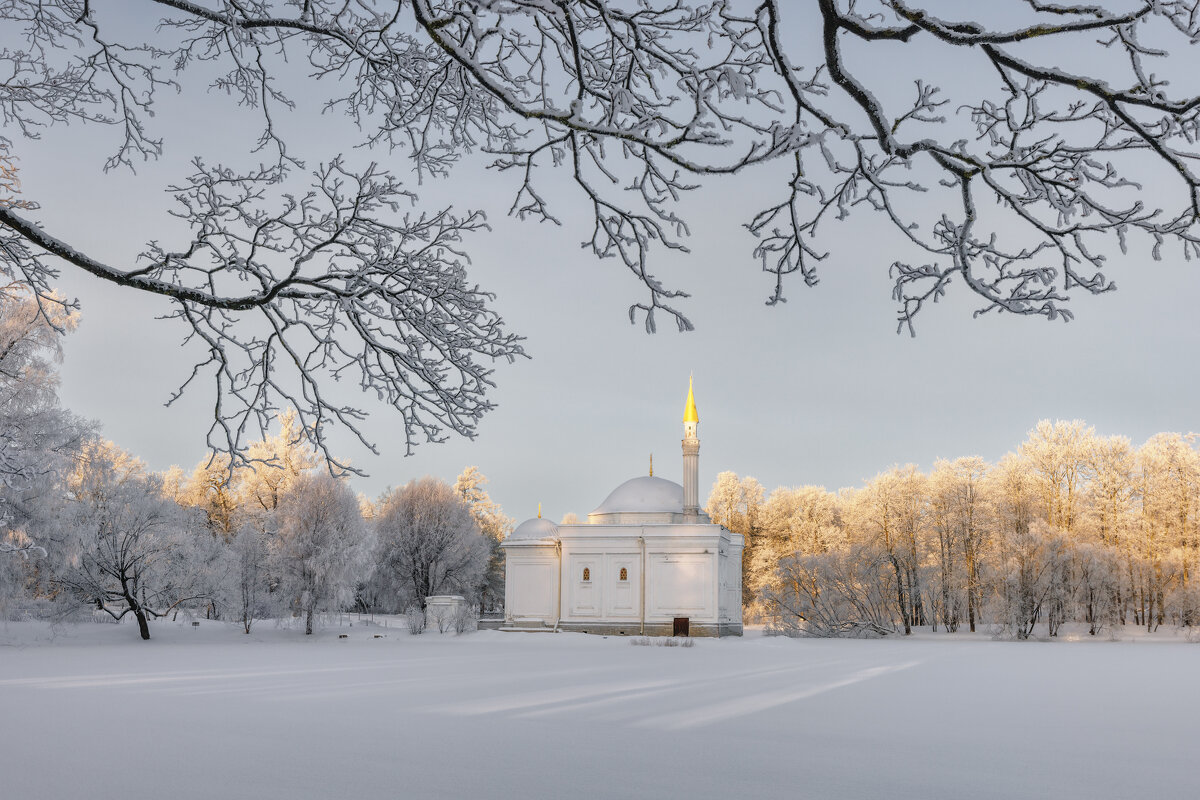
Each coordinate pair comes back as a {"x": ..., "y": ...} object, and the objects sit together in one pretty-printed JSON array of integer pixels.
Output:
[{"x": 1012, "y": 148}]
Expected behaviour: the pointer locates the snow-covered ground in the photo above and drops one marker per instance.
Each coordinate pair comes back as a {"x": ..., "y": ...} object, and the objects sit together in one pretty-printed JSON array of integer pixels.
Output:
[{"x": 88, "y": 711}]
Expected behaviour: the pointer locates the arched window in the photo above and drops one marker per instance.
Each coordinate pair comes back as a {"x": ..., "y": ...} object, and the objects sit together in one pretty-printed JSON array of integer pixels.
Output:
[
  {"x": 587, "y": 574},
  {"x": 624, "y": 574}
]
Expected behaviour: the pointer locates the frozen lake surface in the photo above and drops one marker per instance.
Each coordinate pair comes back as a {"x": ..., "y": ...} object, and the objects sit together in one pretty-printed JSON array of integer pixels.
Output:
[{"x": 207, "y": 713}]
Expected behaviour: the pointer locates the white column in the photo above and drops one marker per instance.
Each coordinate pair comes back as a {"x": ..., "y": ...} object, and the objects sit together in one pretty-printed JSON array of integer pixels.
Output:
[{"x": 691, "y": 470}]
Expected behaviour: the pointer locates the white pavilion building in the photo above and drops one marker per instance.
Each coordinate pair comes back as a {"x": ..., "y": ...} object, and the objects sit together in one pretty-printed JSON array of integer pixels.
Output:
[{"x": 647, "y": 561}]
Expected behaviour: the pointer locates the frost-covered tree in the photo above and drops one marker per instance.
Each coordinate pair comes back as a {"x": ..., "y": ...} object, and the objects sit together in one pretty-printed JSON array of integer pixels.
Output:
[
  {"x": 322, "y": 547},
  {"x": 274, "y": 464},
  {"x": 237, "y": 492},
  {"x": 37, "y": 436},
  {"x": 1110, "y": 515},
  {"x": 212, "y": 488},
  {"x": 248, "y": 565},
  {"x": 1169, "y": 476},
  {"x": 959, "y": 514},
  {"x": 494, "y": 524},
  {"x": 1010, "y": 147},
  {"x": 736, "y": 503},
  {"x": 123, "y": 547},
  {"x": 1058, "y": 456},
  {"x": 891, "y": 512},
  {"x": 428, "y": 543},
  {"x": 793, "y": 521},
  {"x": 1069, "y": 528}
]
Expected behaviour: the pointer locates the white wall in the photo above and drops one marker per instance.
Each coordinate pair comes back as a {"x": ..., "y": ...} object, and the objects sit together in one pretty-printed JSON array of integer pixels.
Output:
[
  {"x": 531, "y": 585},
  {"x": 681, "y": 585}
]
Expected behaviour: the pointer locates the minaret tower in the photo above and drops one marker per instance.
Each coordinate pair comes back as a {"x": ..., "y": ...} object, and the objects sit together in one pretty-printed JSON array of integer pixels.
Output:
[{"x": 691, "y": 458}]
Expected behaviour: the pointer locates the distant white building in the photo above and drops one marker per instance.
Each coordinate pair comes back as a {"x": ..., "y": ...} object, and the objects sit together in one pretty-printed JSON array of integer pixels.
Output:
[{"x": 647, "y": 560}]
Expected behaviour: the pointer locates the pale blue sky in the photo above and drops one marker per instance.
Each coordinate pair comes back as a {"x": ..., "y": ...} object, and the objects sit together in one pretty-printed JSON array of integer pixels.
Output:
[{"x": 820, "y": 390}]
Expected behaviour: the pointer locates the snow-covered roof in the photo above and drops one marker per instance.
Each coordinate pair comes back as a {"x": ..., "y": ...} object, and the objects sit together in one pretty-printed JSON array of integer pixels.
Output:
[
  {"x": 644, "y": 495},
  {"x": 536, "y": 528}
]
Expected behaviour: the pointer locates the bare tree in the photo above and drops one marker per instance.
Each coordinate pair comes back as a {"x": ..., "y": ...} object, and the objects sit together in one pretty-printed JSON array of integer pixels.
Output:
[{"x": 1027, "y": 131}]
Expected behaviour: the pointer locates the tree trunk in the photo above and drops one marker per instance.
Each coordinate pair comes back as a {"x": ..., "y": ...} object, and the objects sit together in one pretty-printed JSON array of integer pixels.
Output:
[
  {"x": 138, "y": 613},
  {"x": 900, "y": 601},
  {"x": 143, "y": 625},
  {"x": 308, "y": 618}
]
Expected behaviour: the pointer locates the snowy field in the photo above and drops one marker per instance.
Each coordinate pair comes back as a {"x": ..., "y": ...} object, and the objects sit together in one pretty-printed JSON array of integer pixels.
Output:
[{"x": 90, "y": 712}]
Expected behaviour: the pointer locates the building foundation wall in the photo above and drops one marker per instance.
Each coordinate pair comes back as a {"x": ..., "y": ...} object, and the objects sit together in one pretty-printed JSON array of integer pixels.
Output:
[{"x": 695, "y": 629}]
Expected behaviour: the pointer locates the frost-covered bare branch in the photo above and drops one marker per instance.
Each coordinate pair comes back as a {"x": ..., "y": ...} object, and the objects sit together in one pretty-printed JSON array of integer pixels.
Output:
[{"x": 1014, "y": 148}]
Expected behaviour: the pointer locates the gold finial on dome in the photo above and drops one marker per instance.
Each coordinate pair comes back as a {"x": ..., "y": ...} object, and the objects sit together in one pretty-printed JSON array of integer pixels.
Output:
[
  {"x": 539, "y": 510},
  {"x": 652, "y": 465},
  {"x": 689, "y": 411}
]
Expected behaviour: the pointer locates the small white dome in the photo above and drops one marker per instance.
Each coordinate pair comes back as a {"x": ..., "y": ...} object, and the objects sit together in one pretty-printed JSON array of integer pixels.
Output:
[
  {"x": 644, "y": 495},
  {"x": 536, "y": 528}
]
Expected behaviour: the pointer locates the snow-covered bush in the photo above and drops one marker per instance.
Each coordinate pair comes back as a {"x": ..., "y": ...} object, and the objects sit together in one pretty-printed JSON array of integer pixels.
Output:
[
  {"x": 414, "y": 618},
  {"x": 663, "y": 641},
  {"x": 465, "y": 618},
  {"x": 438, "y": 616}
]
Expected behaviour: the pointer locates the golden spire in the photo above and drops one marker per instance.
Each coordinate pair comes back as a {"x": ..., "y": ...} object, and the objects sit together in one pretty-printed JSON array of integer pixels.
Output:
[
  {"x": 652, "y": 465},
  {"x": 539, "y": 510},
  {"x": 689, "y": 411}
]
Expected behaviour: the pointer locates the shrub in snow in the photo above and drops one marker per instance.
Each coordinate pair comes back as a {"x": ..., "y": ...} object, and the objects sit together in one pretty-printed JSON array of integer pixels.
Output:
[
  {"x": 465, "y": 618},
  {"x": 414, "y": 618},
  {"x": 438, "y": 617},
  {"x": 666, "y": 641}
]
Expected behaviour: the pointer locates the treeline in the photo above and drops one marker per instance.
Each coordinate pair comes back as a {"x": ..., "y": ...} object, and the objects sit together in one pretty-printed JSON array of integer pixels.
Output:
[
  {"x": 1070, "y": 528},
  {"x": 276, "y": 537},
  {"x": 83, "y": 524}
]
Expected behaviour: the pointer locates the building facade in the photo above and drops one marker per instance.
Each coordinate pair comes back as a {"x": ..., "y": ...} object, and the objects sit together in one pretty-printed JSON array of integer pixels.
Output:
[{"x": 647, "y": 561}]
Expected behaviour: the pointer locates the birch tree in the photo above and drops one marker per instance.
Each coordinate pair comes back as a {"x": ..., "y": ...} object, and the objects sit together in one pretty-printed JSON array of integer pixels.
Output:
[
  {"x": 1111, "y": 505},
  {"x": 890, "y": 511}
]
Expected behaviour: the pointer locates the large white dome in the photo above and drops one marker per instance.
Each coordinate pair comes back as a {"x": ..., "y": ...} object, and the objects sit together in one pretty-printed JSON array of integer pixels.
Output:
[{"x": 644, "y": 495}]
